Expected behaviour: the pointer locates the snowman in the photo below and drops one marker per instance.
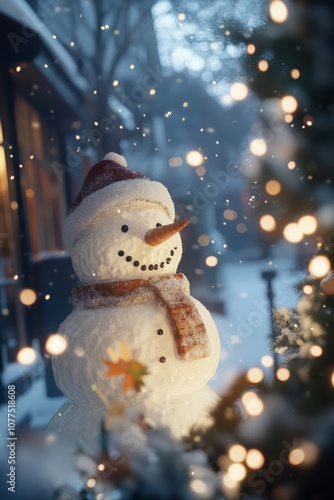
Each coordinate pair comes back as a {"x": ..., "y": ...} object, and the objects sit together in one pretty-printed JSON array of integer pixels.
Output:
[{"x": 125, "y": 249}]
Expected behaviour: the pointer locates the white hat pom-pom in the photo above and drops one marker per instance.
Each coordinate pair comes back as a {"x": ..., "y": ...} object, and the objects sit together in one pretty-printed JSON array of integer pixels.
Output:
[{"x": 116, "y": 158}]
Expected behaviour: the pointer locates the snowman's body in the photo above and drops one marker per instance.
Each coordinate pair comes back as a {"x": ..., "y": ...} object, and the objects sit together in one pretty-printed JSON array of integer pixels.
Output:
[{"x": 175, "y": 392}]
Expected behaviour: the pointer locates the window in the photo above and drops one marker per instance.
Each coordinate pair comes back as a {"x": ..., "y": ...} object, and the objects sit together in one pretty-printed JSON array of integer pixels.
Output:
[{"x": 43, "y": 192}]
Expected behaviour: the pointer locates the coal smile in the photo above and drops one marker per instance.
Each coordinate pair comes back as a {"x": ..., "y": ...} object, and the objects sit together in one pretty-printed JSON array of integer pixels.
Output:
[{"x": 150, "y": 267}]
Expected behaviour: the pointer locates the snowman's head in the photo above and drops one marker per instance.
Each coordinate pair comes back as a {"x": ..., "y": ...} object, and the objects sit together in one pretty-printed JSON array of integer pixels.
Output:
[
  {"x": 138, "y": 241},
  {"x": 121, "y": 225}
]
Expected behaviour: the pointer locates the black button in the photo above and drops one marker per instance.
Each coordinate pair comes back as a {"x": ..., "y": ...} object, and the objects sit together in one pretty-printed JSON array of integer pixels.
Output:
[
  {"x": 158, "y": 224},
  {"x": 162, "y": 359},
  {"x": 162, "y": 264},
  {"x": 156, "y": 266},
  {"x": 160, "y": 331},
  {"x": 136, "y": 263},
  {"x": 125, "y": 228},
  {"x": 143, "y": 268},
  {"x": 128, "y": 258},
  {"x": 172, "y": 252},
  {"x": 121, "y": 253},
  {"x": 168, "y": 260},
  {"x": 150, "y": 267}
]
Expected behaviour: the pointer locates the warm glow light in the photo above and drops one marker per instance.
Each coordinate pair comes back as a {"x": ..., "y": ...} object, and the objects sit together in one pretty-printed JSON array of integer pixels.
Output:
[
  {"x": 332, "y": 379},
  {"x": 278, "y": 11},
  {"x": 28, "y": 296},
  {"x": 252, "y": 403},
  {"x": 101, "y": 467},
  {"x": 237, "y": 472},
  {"x": 316, "y": 351},
  {"x": 267, "y": 361},
  {"x": 211, "y": 261},
  {"x": 229, "y": 482},
  {"x": 288, "y": 118},
  {"x": 56, "y": 344},
  {"x": 293, "y": 233},
  {"x": 237, "y": 453},
  {"x": 239, "y": 91},
  {"x": 251, "y": 48},
  {"x": 273, "y": 187},
  {"x": 152, "y": 91},
  {"x": 308, "y": 224},
  {"x": 26, "y": 356},
  {"x": 181, "y": 16},
  {"x": 18, "y": 69},
  {"x": 91, "y": 482},
  {"x": 198, "y": 486},
  {"x": 230, "y": 214},
  {"x": 291, "y": 165},
  {"x": 175, "y": 161},
  {"x": 263, "y": 65},
  {"x": 296, "y": 456},
  {"x": 289, "y": 104},
  {"x": 268, "y": 223},
  {"x": 283, "y": 374},
  {"x": 194, "y": 158},
  {"x": 307, "y": 289},
  {"x": 255, "y": 375},
  {"x": 30, "y": 193},
  {"x": 115, "y": 83},
  {"x": 295, "y": 73},
  {"x": 319, "y": 266},
  {"x": 258, "y": 147},
  {"x": 254, "y": 459},
  {"x": 308, "y": 120}
]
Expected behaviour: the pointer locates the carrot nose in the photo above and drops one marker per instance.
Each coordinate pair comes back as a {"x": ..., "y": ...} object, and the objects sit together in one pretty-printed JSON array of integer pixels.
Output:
[{"x": 158, "y": 235}]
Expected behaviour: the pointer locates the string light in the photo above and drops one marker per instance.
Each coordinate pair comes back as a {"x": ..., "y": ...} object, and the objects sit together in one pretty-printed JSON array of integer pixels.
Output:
[
  {"x": 263, "y": 65},
  {"x": 296, "y": 456},
  {"x": 291, "y": 165},
  {"x": 252, "y": 403},
  {"x": 251, "y": 48},
  {"x": 237, "y": 472},
  {"x": 307, "y": 289},
  {"x": 295, "y": 73},
  {"x": 211, "y": 261},
  {"x": 267, "y": 361},
  {"x": 316, "y": 351}
]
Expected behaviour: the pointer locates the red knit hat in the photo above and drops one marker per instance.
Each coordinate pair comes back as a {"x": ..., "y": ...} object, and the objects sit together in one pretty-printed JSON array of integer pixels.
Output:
[{"x": 108, "y": 186}]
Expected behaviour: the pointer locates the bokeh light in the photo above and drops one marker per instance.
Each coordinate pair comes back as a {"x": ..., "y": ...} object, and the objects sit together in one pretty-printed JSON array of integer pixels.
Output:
[
  {"x": 307, "y": 289},
  {"x": 251, "y": 48},
  {"x": 255, "y": 375},
  {"x": 203, "y": 240},
  {"x": 252, "y": 403},
  {"x": 230, "y": 214},
  {"x": 292, "y": 233},
  {"x": 273, "y": 187},
  {"x": 316, "y": 351},
  {"x": 56, "y": 344},
  {"x": 296, "y": 456},
  {"x": 237, "y": 472},
  {"x": 263, "y": 65},
  {"x": 237, "y": 453},
  {"x": 283, "y": 374},
  {"x": 26, "y": 356},
  {"x": 211, "y": 261},
  {"x": 295, "y": 73},
  {"x": 267, "y": 361},
  {"x": 175, "y": 161},
  {"x": 268, "y": 223},
  {"x": 308, "y": 224},
  {"x": 278, "y": 11},
  {"x": 291, "y": 165},
  {"x": 239, "y": 91},
  {"x": 254, "y": 459},
  {"x": 194, "y": 158},
  {"x": 319, "y": 266},
  {"x": 28, "y": 296},
  {"x": 258, "y": 147},
  {"x": 289, "y": 104}
]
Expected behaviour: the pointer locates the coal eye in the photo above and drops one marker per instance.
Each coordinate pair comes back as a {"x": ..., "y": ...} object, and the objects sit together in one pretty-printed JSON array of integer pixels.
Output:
[
  {"x": 125, "y": 228},
  {"x": 158, "y": 224}
]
